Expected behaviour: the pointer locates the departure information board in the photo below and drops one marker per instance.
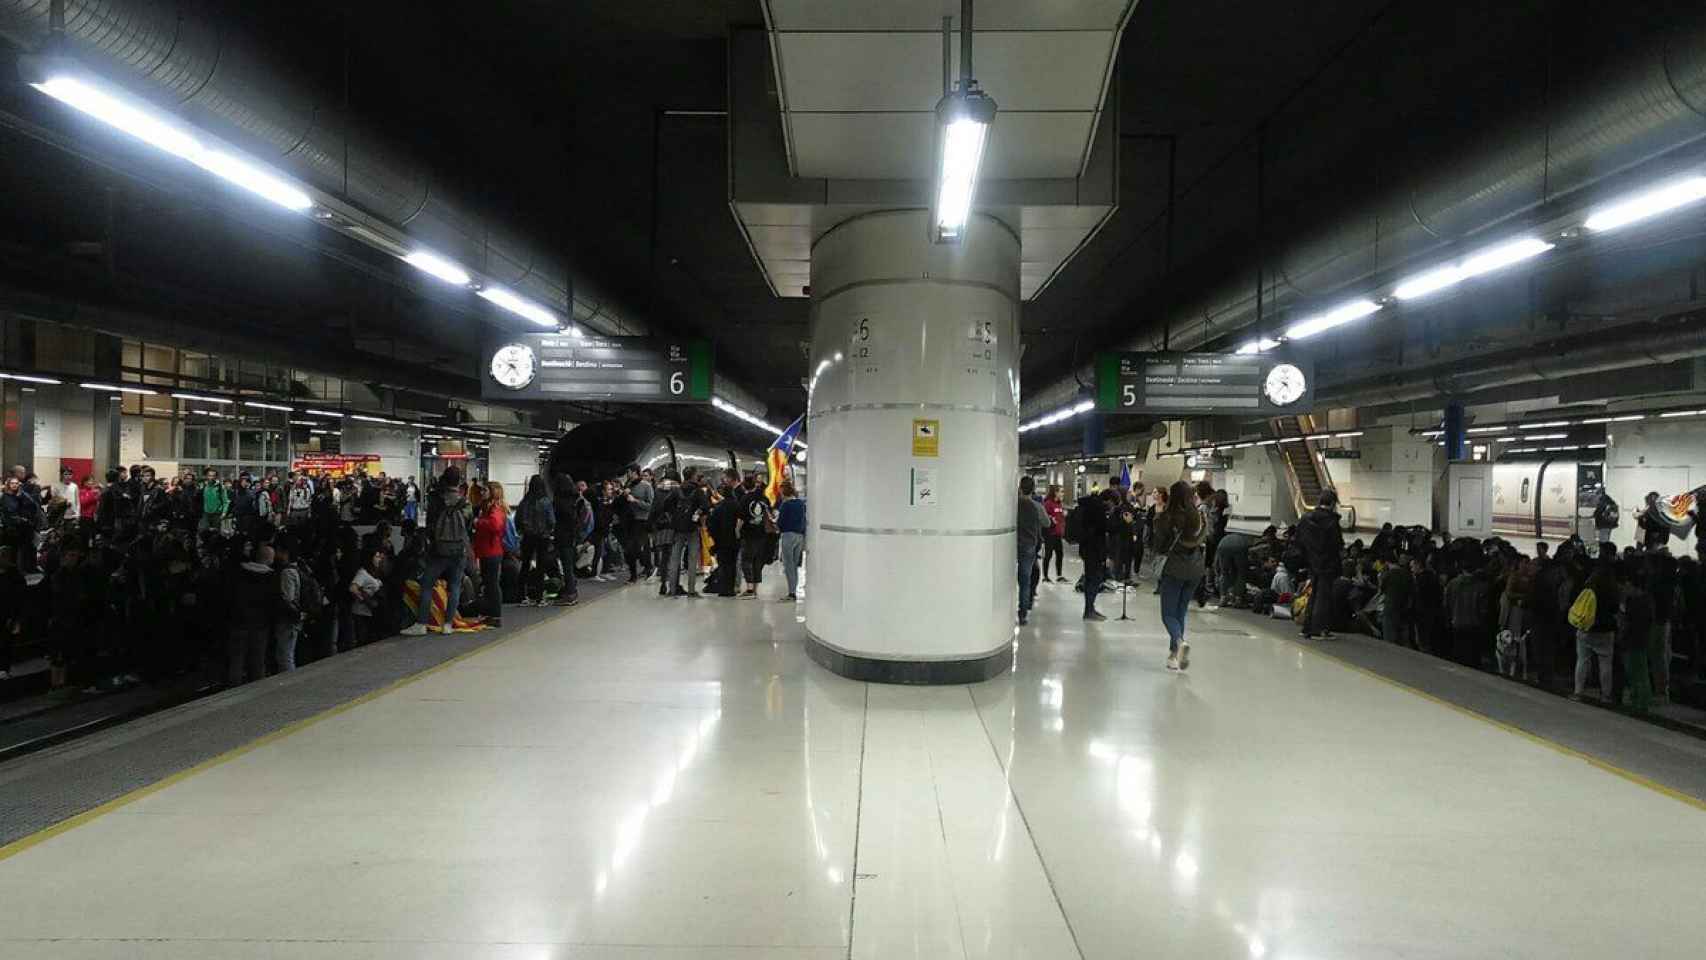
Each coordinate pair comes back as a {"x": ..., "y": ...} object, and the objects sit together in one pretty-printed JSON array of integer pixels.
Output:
[
  {"x": 1203, "y": 384},
  {"x": 559, "y": 366}
]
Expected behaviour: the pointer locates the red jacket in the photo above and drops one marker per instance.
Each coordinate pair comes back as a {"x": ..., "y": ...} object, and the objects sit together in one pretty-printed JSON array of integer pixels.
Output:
[
  {"x": 1056, "y": 517},
  {"x": 489, "y": 534}
]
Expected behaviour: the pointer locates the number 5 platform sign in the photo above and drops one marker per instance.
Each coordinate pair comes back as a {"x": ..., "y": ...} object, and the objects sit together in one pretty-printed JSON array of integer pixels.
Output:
[
  {"x": 1203, "y": 384},
  {"x": 559, "y": 366}
]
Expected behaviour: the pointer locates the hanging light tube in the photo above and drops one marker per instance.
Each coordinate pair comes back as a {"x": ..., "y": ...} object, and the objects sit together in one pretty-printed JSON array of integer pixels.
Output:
[
  {"x": 28, "y": 378},
  {"x": 1479, "y": 263},
  {"x": 1338, "y": 316},
  {"x": 199, "y": 398},
  {"x": 520, "y": 306},
  {"x": 162, "y": 134},
  {"x": 324, "y": 413},
  {"x": 268, "y": 406},
  {"x": 115, "y": 388},
  {"x": 446, "y": 270},
  {"x": 1258, "y": 346},
  {"x": 1649, "y": 204}
]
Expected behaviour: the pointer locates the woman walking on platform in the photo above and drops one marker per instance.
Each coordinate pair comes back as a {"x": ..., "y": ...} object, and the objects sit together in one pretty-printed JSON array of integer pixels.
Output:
[{"x": 1178, "y": 536}]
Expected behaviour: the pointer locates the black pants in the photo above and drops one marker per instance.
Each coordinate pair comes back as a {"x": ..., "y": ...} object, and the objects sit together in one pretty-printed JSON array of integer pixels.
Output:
[
  {"x": 491, "y": 586},
  {"x": 754, "y": 554},
  {"x": 535, "y": 557},
  {"x": 1053, "y": 547},
  {"x": 727, "y": 574},
  {"x": 1467, "y": 644},
  {"x": 1320, "y": 612}
]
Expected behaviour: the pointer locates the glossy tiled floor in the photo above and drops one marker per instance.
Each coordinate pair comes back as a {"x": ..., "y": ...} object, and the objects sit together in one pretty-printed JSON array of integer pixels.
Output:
[{"x": 673, "y": 779}]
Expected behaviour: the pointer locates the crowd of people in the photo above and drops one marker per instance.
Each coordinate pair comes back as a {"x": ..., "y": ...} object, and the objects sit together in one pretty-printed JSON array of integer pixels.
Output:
[
  {"x": 1584, "y": 619},
  {"x": 222, "y": 580}
]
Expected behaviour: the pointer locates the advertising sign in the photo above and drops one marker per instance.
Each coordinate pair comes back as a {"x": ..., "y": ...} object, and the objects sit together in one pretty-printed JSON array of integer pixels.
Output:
[
  {"x": 559, "y": 366},
  {"x": 1203, "y": 384},
  {"x": 333, "y": 464}
]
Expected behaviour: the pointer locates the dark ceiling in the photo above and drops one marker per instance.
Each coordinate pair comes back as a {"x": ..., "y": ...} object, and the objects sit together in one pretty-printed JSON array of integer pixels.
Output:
[{"x": 593, "y": 128}]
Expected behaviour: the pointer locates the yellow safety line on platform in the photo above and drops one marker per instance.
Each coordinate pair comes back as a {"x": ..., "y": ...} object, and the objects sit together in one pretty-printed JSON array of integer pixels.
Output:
[
  {"x": 1567, "y": 751},
  {"x": 48, "y": 833}
]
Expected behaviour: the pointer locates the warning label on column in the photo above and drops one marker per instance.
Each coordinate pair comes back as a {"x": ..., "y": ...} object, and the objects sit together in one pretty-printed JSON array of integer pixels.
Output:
[{"x": 926, "y": 438}]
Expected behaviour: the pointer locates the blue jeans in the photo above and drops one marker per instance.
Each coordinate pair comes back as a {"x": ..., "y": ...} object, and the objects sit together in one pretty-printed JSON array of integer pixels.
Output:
[
  {"x": 1027, "y": 564},
  {"x": 448, "y": 569},
  {"x": 1176, "y": 594}
]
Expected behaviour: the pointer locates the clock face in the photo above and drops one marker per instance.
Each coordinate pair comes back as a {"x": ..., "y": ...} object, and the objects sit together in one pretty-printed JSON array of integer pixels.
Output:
[
  {"x": 514, "y": 365},
  {"x": 1284, "y": 385}
]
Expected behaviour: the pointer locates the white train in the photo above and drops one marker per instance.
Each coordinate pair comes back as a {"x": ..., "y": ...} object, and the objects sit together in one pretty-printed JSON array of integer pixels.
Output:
[{"x": 1543, "y": 498}]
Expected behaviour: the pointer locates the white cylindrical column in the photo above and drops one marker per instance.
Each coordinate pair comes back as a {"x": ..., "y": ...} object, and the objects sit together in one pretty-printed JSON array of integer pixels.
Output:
[{"x": 914, "y": 451}]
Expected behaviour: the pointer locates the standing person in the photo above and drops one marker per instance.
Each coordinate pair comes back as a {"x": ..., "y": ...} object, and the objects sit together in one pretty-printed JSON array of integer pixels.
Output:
[
  {"x": 1655, "y": 530},
  {"x": 690, "y": 516},
  {"x": 1606, "y": 516},
  {"x": 1029, "y": 524},
  {"x": 1596, "y": 638},
  {"x": 88, "y": 496},
  {"x": 287, "y": 626},
  {"x": 1054, "y": 535},
  {"x": 573, "y": 515},
  {"x": 489, "y": 526},
  {"x": 1180, "y": 536},
  {"x": 1634, "y": 632},
  {"x": 254, "y": 603},
  {"x": 757, "y": 521},
  {"x": 535, "y": 519},
  {"x": 1323, "y": 546},
  {"x": 299, "y": 503},
  {"x": 447, "y": 525},
  {"x": 1467, "y": 603},
  {"x": 723, "y": 527},
  {"x": 67, "y": 490},
  {"x": 637, "y": 516},
  {"x": 666, "y": 502},
  {"x": 791, "y": 520},
  {"x": 1397, "y": 591},
  {"x": 1093, "y": 547}
]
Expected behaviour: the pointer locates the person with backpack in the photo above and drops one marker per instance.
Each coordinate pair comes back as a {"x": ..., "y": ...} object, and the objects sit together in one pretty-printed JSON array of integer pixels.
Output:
[
  {"x": 535, "y": 520},
  {"x": 1181, "y": 534},
  {"x": 447, "y": 524},
  {"x": 1594, "y": 616},
  {"x": 1323, "y": 546},
  {"x": 691, "y": 510},
  {"x": 1606, "y": 516},
  {"x": 573, "y": 519},
  {"x": 757, "y": 522}
]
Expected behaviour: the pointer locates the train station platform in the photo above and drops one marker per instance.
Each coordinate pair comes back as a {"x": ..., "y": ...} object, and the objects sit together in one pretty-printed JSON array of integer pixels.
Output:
[{"x": 651, "y": 778}]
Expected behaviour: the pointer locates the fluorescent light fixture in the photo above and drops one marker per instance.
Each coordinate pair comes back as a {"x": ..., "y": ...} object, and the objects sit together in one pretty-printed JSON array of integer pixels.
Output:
[
  {"x": 1347, "y": 434},
  {"x": 1682, "y": 413},
  {"x": 1649, "y": 204},
  {"x": 1430, "y": 282},
  {"x": 372, "y": 419},
  {"x": 1258, "y": 346},
  {"x": 115, "y": 388},
  {"x": 1292, "y": 439},
  {"x": 1549, "y": 425},
  {"x": 1338, "y": 316},
  {"x": 1555, "y": 449},
  {"x": 131, "y": 119},
  {"x": 439, "y": 267},
  {"x": 1499, "y": 429},
  {"x": 163, "y": 134},
  {"x": 254, "y": 179},
  {"x": 1593, "y": 446},
  {"x": 304, "y": 423},
  {"x": 1433, "y": 433},
  {"x": 519, "y": 306},
  {"x": 1529, "y": 437},
  {"x": 1476, "y": 264},
  {"x": 327, "y": 433},
  {"x": 963, "y": 120},
  {"x": 1083, "y": 406},
  {"x": 268, "y": 406},
  {"x": 324, "y": 413},
  {"x": 1623, "y": 419},
  {"x": 1524, "y": 450},
  {"x": 199, "y": 397},
  {"x": 27, "y": 378}
]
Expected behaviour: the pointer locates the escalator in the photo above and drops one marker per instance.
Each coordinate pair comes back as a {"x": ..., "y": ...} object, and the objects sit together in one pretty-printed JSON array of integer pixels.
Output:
[{"x": 1302, "y": 462}]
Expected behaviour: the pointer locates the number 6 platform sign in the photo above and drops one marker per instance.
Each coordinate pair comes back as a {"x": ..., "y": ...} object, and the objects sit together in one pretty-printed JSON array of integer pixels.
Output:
[{"x": 560, "y": 366}]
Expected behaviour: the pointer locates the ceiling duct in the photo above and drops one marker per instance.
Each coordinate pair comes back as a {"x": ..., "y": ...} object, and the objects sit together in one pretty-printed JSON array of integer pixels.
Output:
[
  {"x": 175, "y": 54},
  {"x": 1649, "y": 104}
]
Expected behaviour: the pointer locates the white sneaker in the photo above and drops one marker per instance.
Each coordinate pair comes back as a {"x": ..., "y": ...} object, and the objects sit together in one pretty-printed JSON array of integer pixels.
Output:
[
  {"x": 417, "y": 630},
  {"x": 448, "y": 629},
  {"x": 1172, "y": 661},
  {"x": 1184, "y": 656},
  {"x": 5, "y": 674}
]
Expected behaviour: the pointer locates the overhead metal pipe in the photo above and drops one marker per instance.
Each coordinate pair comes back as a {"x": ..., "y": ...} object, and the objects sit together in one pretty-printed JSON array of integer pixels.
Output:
[{"x": 1626, "y": 115}]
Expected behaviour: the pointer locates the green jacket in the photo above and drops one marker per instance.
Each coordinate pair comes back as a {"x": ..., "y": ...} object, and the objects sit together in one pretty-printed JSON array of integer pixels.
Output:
[{"x": 214, "y": 500}]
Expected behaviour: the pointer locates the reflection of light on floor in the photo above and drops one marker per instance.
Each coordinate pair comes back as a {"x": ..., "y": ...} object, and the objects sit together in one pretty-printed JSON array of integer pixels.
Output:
[{"x": 632, "y": 828}]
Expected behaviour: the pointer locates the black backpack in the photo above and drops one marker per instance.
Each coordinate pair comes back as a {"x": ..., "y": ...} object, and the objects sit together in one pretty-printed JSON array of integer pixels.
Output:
[
  {"x": 311, "y": 598},
  {"x": 532, "y": 522},
  {"x": 1075, "y": 524},
  {"x": 664, "y": 510},
  {"x": 1606, "y": 515}
]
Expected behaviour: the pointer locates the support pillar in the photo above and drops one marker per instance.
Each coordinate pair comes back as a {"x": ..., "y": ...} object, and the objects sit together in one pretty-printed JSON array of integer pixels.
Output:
[
  {"x": 911, "y": 572},
  {"x": 26, "y": 452},
  {"x": 108, "y": 416}
]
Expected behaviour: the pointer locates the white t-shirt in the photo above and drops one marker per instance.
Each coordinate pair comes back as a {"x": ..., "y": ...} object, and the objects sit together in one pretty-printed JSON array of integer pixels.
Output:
[
  {"x": 68, "y": 493},
  {"x": 366, "y": 588}
]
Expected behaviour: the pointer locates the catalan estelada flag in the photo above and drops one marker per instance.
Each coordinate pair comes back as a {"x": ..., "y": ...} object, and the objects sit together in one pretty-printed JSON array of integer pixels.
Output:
[{"x": 777, "y": 459}]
